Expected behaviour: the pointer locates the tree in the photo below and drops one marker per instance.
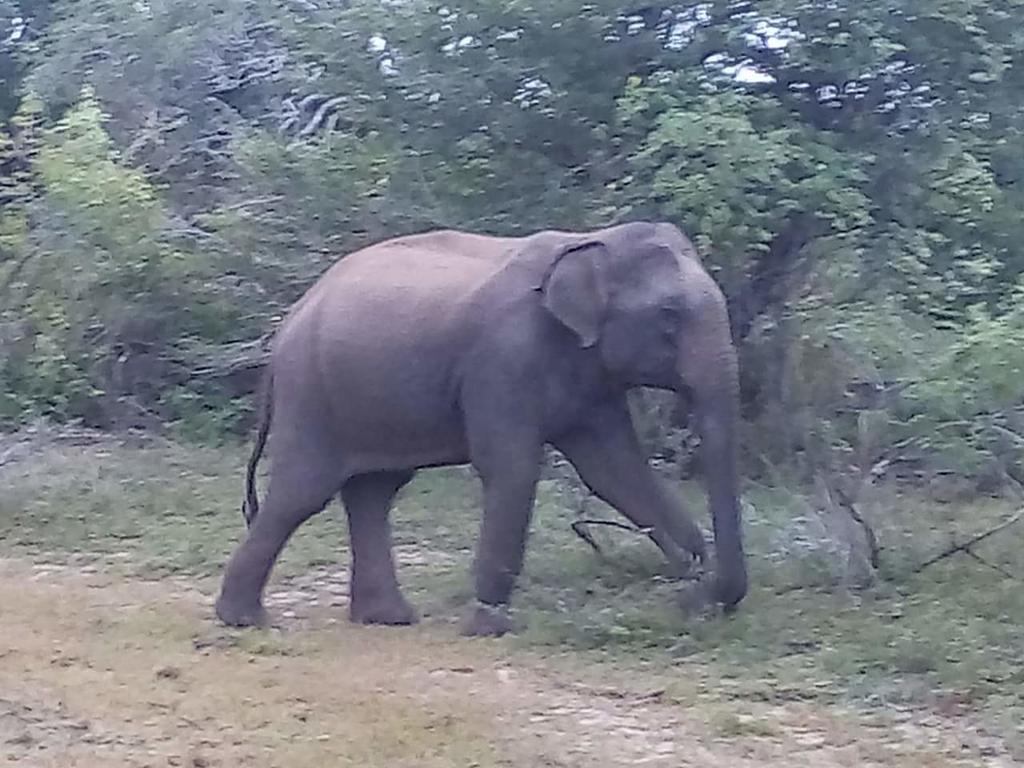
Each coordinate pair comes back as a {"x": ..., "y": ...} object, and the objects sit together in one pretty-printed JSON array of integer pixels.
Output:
[{"x": 850, "y": 172}]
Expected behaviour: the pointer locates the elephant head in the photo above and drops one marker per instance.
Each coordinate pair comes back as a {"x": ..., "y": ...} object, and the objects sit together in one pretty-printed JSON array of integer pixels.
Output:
[{"x": 638, "y": 295}]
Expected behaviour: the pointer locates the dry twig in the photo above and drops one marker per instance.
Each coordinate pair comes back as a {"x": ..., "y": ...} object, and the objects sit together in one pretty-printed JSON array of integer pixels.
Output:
[
  {"x": 966, "y": 545},
  {"x": 579, "y": 527}
]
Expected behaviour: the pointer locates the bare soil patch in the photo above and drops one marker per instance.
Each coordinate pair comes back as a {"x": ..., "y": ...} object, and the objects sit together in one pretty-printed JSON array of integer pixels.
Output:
[{"x": 99, "y": 670}]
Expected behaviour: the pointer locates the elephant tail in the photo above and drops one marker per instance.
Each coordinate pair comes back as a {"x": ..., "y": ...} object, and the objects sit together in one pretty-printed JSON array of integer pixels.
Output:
[{"x": 251, "y": 505}]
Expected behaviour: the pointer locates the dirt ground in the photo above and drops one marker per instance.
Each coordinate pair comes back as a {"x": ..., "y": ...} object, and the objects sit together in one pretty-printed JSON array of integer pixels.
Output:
[{"x": 97, "y": 669}]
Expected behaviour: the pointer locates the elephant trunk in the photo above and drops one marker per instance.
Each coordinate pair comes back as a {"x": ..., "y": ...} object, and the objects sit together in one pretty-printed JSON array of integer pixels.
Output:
[{"x": 709, "y": 370}]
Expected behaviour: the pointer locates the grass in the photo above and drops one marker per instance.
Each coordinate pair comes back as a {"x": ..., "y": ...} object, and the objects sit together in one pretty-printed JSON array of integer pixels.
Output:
[
  {"x": 910, "y": 639},
  {"x": 165, "y": 704}
]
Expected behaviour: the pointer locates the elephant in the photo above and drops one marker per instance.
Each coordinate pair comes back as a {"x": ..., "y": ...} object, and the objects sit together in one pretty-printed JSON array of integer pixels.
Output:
[{"x": 450, "y": 348}]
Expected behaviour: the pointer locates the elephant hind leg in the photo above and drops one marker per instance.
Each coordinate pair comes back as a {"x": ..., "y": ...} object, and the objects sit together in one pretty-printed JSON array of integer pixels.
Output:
[
  {"x": 375, "y": 597},
  {"x": 300, "y": 486}
]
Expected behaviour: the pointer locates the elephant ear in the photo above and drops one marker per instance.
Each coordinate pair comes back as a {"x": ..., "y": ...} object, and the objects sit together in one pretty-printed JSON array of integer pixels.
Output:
[{"x": 575, "y": 290}]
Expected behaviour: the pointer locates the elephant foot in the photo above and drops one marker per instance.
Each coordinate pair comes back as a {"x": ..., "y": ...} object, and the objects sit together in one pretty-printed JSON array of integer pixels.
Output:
[
  {"x": 390, "y": 611},
  {"x": 686, "y": 567},
  {"x": 487, "y": 621},
  {"x": 683, "y": 562},
  {"x": 697, "y": 600},
  {"x": 236, "y": 613}
]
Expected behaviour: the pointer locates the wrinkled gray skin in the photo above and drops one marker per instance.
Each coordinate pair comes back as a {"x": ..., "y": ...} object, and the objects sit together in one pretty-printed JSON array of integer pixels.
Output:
[{"x": 446, "y": 348}]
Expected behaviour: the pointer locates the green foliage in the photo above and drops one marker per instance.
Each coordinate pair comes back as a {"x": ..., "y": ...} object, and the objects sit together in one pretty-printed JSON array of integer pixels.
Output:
[
  {"x": 306, "y": 203},
  {"x": 735, "y": 169},
  {"x": 857, "y": 212},
  {"x": 19, "y": 148},
  {"x": 98, "y": 294},
  {"x": 209, "y": 420},
  {"x": 178, "y": 172},
  {"x": 111, "y": 210},
  {"x": 968, "y": 407}
]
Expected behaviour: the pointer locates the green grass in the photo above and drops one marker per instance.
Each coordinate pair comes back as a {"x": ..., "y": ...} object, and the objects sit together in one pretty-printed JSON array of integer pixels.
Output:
[{"x": 954, "y": 627}]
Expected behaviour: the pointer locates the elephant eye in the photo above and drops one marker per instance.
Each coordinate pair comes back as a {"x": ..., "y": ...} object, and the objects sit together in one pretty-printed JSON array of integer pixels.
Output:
[
  {"x": 668, "y": 321},
  {"x": 668, "y": 315}
]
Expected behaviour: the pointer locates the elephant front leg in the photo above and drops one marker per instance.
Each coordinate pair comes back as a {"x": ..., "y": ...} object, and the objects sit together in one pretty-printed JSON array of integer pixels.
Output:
[
  {"x": 609, "y": 459},
  {"x": 509, "y": 476}
]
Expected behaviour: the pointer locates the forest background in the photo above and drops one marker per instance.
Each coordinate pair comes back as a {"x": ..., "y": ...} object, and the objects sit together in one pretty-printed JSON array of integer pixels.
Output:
[{"x": 174, "y": 174}]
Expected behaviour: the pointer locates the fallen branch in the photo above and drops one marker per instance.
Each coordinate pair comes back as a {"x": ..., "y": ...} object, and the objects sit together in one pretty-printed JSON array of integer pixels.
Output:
[
  {"x": 872, "y": 542},
  {"x": 993, "y": 566},
  {"x": 965, "y": 546},
  {"x": 835, "y": 497},
  {"x": 823, "y": 586},
  {"x": 13, "y": 273},
  {"x": 1014, "y": 482},
  {"x": 230, "y": 359},
  {"x": 579, "y": 527},
  {"x": 850, "y": 506}
]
